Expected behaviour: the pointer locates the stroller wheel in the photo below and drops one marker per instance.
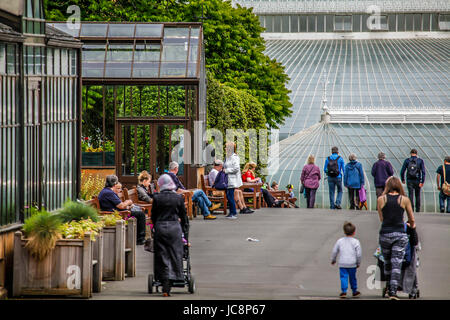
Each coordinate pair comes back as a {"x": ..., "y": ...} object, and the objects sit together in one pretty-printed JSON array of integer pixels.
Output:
[
  {"x": 150, "y": 283},
  {"x": 191, "y": 284}
]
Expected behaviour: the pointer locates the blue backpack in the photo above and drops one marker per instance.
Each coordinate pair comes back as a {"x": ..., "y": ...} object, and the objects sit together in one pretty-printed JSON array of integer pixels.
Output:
[{"x": 221, "y": 182}]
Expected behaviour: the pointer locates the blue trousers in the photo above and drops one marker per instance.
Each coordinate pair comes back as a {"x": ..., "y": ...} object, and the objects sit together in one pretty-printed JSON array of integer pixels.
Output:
[
  {"x": 345, "y": 274},
  {"x": 442, "y": 198},
  {"x": 231, "y": 202},
  {"x": 333, "y": 183},
  {"x": 202, "y": 201}
]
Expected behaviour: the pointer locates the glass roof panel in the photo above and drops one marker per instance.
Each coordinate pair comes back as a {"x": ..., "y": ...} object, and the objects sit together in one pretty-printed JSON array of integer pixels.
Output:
[
  {"x": 93, "y": 30},
  {"x": 93, "y": 58},
  {"x": 149, "y": 30},
  {"x": 125, "y": 30}
]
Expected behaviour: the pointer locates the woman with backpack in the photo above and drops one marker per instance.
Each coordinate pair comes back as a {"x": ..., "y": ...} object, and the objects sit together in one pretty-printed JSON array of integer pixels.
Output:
[
  {"x": 353, "y": 180},
  {"x": 310, "y": 181}
]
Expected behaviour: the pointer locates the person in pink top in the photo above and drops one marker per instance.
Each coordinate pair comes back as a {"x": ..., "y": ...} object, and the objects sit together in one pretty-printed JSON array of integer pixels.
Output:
[{"x": 310, "y": 180}]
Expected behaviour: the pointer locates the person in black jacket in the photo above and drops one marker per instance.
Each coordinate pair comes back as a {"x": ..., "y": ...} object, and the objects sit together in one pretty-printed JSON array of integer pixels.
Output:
[
  {"x": 415, "y": 177},
  {"x": 170, "y": 225},
  {"x": 143, "y": 188}
]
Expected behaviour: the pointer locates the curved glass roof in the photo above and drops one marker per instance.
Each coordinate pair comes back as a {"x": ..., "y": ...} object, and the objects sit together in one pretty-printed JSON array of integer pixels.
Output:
[
  {"x": 366, "y": 141},
  {"x": 138, "y": 50},
  {"x": 378, "y": 73}
]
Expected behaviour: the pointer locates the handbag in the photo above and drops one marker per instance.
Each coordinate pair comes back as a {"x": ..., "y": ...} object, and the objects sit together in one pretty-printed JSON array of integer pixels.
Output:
[
  {"x": 445, "y": 186},
  {"x": 149, "y": 245},
  {"x": 221, "y": 182},
  {"x": 362, "y": 195}
]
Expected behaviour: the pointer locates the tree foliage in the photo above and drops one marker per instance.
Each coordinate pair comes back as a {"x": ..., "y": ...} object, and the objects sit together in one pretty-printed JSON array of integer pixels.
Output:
[{"x": 234, "y": 48}]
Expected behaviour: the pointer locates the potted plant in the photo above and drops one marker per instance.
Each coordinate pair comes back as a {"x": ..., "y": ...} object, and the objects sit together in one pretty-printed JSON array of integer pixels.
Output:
[
  {"x": 109, "y": 147},
  {"x": 47, "y": 264},
  {"x": 90, "y": 156}
]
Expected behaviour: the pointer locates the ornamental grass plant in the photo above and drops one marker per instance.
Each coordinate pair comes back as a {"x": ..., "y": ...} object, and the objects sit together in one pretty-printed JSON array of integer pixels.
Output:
[{"x": 42, "y": 229}]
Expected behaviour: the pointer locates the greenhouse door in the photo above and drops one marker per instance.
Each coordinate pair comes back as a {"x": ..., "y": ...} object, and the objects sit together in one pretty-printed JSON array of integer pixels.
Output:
[{"x": 148, "y": 145}]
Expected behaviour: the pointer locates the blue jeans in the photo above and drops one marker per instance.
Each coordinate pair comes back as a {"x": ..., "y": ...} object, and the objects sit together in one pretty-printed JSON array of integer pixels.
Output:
[
  {"x": 442, "y": 198},
  {"x": 345, "y": 274},
  {"x": 202, "y": 201},
  {"x": 334, "y": 182},
  {"x": 231, "y": 202}
]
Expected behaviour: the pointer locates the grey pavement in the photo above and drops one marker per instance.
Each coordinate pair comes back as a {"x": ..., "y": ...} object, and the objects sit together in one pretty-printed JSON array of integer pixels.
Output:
[{"x": 291, "y": 260}]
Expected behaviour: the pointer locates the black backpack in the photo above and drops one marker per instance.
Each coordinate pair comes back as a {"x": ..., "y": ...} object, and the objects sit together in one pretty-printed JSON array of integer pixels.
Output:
[
  {"x": 333, "y": 167},
  {"x": 412, "y": 169}
]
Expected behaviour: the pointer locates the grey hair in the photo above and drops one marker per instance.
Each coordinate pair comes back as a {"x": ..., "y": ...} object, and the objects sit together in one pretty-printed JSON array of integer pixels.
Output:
[
  {"x": 381, "y": 156},
  {"x": 173, "y": 165},
  {"x": 218, "y": 162},
  {"x": 111, "y": 181},
  {"x": 352, "y": 157}
]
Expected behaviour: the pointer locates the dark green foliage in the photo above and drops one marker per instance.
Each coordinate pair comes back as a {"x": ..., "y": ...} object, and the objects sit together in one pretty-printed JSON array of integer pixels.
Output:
[
  {"x": 234, "y": 48},
  {"x": 77, "y": 211},
  {"x": 42, "y": 223}
]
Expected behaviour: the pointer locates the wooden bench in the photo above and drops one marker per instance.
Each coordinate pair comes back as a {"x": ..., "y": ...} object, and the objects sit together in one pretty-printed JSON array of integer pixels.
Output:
[
  {"x": 132, "y": 195},
  {"x": 96, "y": 204},
  {"x": 254, "y": 195},
  {"x": 213, "y": 194}
]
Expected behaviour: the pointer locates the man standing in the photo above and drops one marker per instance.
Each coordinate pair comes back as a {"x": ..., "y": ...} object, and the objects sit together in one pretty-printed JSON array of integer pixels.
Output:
[
  {"x": 415, "y": 177},
  {"x": 334, "y": 169},
  {"x": 442, "y": 177},
  {"x": 381, "y": 171},
  {"x": 199, "y": 196}
]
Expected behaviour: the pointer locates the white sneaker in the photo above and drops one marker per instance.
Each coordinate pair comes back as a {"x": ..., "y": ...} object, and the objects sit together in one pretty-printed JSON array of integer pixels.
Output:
[{"x": 231, "y": 217}]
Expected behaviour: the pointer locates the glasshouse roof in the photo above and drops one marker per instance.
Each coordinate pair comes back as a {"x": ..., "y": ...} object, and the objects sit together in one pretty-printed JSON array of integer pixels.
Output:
[
  {"x": 376, "y": 74},
  {"x": 123, "y": 50}
]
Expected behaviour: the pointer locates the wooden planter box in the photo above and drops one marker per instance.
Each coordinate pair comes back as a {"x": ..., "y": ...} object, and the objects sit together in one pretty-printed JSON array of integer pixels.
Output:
[
  {"x": 119, "y": 250},
  {"x": 69, "y": 270}
]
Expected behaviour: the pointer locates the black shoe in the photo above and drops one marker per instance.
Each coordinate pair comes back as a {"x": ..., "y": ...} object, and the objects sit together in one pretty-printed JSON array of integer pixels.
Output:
[
  {"x": 442, "y": 210},
  {"x": 248, "y": 210},
  {"x": 140, "y": 242},
  {"x": 337, "y": 207},
  {"x": 356, "y": 294}
]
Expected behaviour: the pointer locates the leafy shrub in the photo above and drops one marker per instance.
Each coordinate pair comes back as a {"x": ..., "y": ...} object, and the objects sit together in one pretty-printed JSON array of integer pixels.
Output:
[{"x": 91, "y": 185}]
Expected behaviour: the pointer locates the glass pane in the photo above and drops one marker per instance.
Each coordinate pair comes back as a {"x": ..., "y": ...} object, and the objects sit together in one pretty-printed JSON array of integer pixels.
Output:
[
  {"x": 409, "y": 22},
  {"x": 149, "y": 30},
  {"x": 57, "y": 61},
  {"x": 294, "y": 23},
  {"x": 146, "y": 60},
  {"x": 311, "y": 23},
  {"x": 93, "y": 57},
  {"x": 356, "y": 23},
  {"x": 128, "y": 150},
  {"x": 168, "y": 150},
  {"x": 64, "y": 62},
  {"x": 175, "y": 33},
  {"x": 172, "y": 101},
  {"x": 303, "y": 23},
  {"x": 39, "y": 59},
  {"x": 73, "y": 62},
  {"x": 320, "y": 23},
  {"x": 426, "y": 21},
  {"x": 118, "y": 60},
  {"x": 11, "y": 58},
  {"x": 392, "y": 23},
  {"x": 173, "y": 69},
  {"x": 121, "y": 30},
  {"x": 2, "y": 58},
  {"x": 277, "y": 24},
  {"x": 401, "y": 22},
  {"x": 93, "y": 30},
  {"x": 49, "y": 61},
  {"x": 29, "y": 60},
  {"x": 269, "y": 24},
  {"x": 417, "y": 22},
  {"x": 285, "y": 24}
]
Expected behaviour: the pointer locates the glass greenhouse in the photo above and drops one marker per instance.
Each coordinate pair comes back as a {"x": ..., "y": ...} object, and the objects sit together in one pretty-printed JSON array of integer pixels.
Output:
[{"x": 363, "y": 87}]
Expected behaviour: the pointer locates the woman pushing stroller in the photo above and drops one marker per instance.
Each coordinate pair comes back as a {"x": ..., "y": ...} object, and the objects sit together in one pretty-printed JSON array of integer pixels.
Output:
[{"x": 393, "y": 238}]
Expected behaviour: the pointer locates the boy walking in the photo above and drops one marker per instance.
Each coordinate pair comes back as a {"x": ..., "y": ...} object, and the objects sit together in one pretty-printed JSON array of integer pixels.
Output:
[{"x": 349, "y": 250}]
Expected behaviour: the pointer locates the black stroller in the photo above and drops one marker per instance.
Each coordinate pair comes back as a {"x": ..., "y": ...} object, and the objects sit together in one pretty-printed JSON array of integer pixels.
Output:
[
  {"x": 408, "y": 280},
  {"x": 188, "y": 280}
]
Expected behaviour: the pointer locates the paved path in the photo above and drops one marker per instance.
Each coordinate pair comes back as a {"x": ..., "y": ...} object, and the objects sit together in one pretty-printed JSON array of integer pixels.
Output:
[{"x": 291, "y": 261}]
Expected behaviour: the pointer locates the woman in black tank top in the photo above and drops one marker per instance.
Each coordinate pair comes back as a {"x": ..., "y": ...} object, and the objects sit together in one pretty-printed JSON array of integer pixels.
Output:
[{"x": 393, "y": 239}]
